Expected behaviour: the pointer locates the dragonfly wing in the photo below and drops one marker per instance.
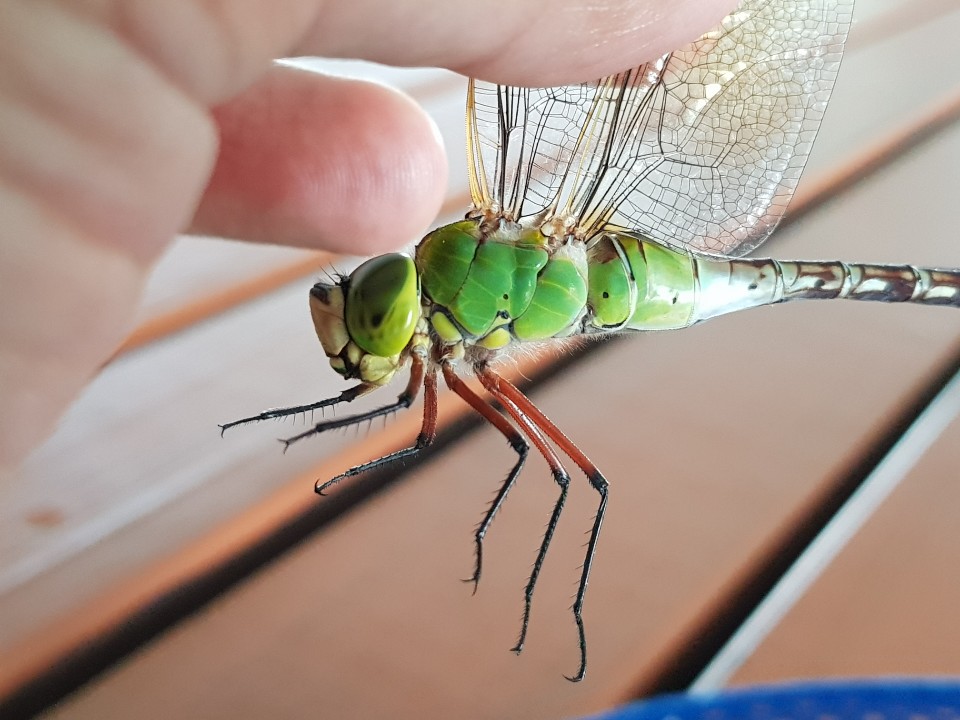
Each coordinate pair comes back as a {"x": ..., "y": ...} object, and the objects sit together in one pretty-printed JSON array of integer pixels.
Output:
[
  {"x": 702, "y": 149},
  {"x": 523, "y": 143}
]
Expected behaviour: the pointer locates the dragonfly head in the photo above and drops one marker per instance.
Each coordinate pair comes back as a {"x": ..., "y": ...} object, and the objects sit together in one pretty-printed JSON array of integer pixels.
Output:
[{"x": 366, "y": 320}]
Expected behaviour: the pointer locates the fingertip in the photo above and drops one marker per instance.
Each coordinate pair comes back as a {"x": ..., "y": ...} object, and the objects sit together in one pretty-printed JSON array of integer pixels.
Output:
[
  {"x": 397, "y": 172},
  {"x": 306, "y": 159}
]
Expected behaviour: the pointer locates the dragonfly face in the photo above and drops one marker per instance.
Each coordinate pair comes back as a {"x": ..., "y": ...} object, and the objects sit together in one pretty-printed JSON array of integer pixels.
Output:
[{"x": 365, "y": 321}]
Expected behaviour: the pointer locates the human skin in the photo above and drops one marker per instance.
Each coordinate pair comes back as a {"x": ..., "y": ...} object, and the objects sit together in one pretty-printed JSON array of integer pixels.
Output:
[{"x": 125, "y": 122}]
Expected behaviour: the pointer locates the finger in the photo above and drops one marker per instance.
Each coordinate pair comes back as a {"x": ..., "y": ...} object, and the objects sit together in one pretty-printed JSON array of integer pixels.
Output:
[
  {"x": 101, "y": 162},
  {"x": 213, "y": 50},
  {"x": 67, "y": 298},
  {"x": 312, "y": 160},
  {"x": 536, "y": 42}
]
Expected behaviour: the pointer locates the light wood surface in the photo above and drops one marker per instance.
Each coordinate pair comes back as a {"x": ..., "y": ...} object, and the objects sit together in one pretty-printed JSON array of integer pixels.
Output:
[{"x": 888, "y": 604}]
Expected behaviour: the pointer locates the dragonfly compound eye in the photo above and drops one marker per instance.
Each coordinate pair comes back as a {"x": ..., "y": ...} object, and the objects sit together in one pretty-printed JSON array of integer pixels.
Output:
[{"x": 383, "y": 304}]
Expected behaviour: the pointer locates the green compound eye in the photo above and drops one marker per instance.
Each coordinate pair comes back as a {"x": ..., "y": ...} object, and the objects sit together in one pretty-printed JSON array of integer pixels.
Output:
[{"x": 383, "y": 304}]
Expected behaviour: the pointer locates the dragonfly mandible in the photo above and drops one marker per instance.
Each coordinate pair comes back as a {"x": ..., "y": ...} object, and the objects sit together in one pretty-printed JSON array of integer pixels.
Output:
[{"x": 624, "y": 204}]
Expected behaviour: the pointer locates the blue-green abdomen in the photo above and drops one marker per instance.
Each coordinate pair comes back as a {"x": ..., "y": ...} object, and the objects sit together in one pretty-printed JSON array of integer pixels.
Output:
[{"x": 636, "y": 284}]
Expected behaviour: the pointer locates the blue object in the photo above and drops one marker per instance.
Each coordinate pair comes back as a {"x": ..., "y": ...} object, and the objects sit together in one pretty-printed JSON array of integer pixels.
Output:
[{"x": 886, "y": 699}]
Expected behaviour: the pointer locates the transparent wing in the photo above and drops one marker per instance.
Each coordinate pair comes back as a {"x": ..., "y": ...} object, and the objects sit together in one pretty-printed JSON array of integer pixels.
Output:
[{"x": 701, "y": 149}]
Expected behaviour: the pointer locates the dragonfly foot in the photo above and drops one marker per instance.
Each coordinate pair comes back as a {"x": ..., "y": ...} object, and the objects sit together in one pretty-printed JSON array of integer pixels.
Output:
[
  {"x": 475, "y": 581},
  {"x": 320, "y": 488},
  {"x": 478, "y": 561},
  {"x": 582, "y": 670}
]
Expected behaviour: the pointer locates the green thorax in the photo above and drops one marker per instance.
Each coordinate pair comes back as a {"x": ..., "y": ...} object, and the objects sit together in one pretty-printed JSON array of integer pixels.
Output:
[{"x": 493, "y": 288}]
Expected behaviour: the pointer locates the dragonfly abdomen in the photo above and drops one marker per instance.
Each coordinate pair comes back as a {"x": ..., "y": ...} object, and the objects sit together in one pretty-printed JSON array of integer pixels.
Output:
[
  {"x": 639, "y": 284},
  {"x": 859, "y": 281}
]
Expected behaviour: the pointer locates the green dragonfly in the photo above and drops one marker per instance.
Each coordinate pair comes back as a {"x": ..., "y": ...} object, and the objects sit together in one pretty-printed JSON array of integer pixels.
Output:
[{"x": 621, "y": 204}]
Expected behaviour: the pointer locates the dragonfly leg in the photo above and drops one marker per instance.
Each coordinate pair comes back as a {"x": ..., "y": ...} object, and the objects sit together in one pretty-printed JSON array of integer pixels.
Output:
[
  {"x": 519, "y": 445},
  {"x": 428, "y": 429},
  {"x": 493, "y": 383},
  {"x": 348, "y": 395},
  {"x": 507, "y": 393}
]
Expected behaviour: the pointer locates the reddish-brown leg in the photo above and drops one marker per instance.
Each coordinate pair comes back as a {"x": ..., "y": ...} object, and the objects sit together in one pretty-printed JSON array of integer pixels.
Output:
[
  {"x": 519, "y": 445},
  {"x": 537, "y": 425}
]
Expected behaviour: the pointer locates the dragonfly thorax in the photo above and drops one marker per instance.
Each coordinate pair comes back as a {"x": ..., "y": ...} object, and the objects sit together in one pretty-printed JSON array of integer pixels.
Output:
[{"x": 490, "y": 286}]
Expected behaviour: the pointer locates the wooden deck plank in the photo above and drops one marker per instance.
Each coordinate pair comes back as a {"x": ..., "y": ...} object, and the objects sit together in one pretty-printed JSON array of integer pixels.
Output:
[{"x": 888, "y": 604}]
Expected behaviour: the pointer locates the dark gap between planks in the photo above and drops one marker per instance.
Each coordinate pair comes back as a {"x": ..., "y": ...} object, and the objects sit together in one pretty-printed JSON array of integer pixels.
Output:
[{"x": 697, "y": 649}]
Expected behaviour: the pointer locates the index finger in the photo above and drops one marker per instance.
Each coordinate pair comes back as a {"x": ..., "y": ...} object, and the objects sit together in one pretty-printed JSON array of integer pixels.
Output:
[
  {"x": 213, "y": 50},
  {"x": 536, "y": 42}
]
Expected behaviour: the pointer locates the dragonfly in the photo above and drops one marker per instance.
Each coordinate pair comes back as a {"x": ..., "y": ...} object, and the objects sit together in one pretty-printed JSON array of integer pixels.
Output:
[{"x": 624, "y": 204}]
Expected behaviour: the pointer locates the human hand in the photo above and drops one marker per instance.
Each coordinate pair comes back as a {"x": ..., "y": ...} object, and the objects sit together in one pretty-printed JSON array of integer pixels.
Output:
[{"x": 128, "y": 121}]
